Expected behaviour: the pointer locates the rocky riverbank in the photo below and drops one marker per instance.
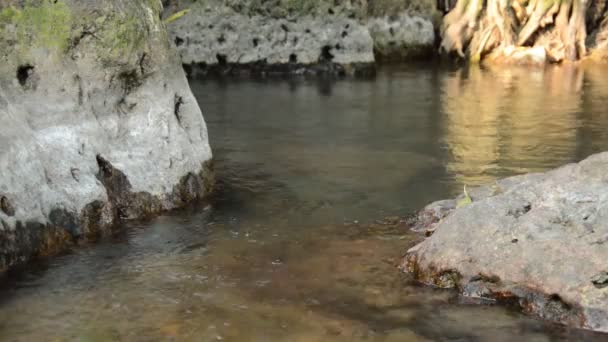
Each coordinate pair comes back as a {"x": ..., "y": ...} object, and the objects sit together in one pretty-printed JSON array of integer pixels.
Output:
[
  {"x": 98, "y": 123},
  {"x": 536, "y": 240},
  {"x": 314, "y": 36}
]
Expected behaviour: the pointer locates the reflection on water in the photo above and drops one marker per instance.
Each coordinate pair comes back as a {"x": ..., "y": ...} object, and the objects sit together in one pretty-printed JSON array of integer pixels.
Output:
[
  {"x": 291, "y": 248},
  {"x": 506, "y": 121}
]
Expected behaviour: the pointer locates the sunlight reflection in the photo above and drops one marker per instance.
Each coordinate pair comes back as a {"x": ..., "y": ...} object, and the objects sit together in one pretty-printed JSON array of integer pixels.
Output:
[{"x": 503, "y": 121}]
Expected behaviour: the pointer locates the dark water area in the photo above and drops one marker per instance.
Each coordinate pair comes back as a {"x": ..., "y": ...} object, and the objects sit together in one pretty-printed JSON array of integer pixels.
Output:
[{"x": 295, "y": 246}]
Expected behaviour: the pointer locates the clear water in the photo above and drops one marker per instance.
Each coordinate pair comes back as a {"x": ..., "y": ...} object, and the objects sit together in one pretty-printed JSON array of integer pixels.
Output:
[{"x": 294, "y": 247}]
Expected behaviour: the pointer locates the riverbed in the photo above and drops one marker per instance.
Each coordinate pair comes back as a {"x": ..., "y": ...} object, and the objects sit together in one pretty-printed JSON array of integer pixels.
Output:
[{"x": 302, "y": 238}]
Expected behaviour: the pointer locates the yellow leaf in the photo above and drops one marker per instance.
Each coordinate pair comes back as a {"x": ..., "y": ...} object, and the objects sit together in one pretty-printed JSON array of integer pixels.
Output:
[{"x": 176, "y": 16}]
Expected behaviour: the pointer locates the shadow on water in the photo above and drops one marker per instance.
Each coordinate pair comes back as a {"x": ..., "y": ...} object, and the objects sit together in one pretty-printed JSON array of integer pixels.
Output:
[{"x": 294, "y": 246}]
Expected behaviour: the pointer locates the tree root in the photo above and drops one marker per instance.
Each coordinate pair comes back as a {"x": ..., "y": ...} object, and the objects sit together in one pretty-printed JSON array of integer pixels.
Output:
[
  {"x": 477, "y": 27},
  {"x": 459, "y": 25}
]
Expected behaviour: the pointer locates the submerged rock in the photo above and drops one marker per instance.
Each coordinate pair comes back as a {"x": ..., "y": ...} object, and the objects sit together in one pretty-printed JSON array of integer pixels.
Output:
[
  {"x": 98, "y": 123},
  {"x": 296, "y": 37},
  {"x": 538, "y": 240}
]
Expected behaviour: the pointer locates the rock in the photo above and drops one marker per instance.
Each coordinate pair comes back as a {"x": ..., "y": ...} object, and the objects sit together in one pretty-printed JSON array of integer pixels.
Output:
[
  {"x": 401, "y": 37},
  {"x": 322, "y": 37},
  {"x": 234, "y": 39},
  {"x": 538, "y": 240},
  {"x": 600, "y": 280},
  {"x": 511, "y": 55},
  {"x": 98, "y": 123}
]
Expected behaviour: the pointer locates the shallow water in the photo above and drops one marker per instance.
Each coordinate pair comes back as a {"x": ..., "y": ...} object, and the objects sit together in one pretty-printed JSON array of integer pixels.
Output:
[{"x": 294, "y": 246}]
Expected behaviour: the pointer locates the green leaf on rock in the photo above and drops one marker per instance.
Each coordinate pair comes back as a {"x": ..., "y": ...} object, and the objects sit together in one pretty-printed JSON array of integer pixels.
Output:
[{"x": 466, "y": 200}]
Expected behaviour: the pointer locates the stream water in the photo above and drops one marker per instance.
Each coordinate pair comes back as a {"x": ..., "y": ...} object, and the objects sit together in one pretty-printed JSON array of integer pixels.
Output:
[{"x": 295, "y": 245}]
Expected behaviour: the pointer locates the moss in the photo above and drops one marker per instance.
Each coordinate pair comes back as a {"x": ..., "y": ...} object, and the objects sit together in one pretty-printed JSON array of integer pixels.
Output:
[
  {"x": 116, "y": 35},
  {"x": 45, "y": 24},
  {"x": 121, "y": 36},
  {"x": 124, "y": 36},
  {"x": 8, "y": 15}
]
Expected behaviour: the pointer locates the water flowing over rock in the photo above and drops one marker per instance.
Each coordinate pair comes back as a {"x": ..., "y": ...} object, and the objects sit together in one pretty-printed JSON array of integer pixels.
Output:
[
  {"x": 321, "y": 36},
  {"x": 538, "y": 240},
  {"x": 98, "y": 123}
]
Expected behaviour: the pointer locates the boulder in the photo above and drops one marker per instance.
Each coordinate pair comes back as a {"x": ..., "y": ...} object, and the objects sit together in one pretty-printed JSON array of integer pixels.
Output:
[
  {"x": 98, "y": 123},
  {"x": 537, "y": 240}
]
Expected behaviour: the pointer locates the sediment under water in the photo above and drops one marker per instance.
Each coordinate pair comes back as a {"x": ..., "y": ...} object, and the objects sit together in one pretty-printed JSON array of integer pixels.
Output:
[{"x": 294, "y": 245}]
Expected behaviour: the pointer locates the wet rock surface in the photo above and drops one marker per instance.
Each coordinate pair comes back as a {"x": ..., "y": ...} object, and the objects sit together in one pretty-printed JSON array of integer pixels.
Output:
[
  {"x": 312, "y": 37},
  {"x": 536, "y": 240},
  {"x": 98, "y": 123}
]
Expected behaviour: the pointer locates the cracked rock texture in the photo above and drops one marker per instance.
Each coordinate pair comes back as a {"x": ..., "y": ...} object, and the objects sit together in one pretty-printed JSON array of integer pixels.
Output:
[
  {"x": 98, "y": 123},
  {"x": 298, "y": 34},
  {"x": 538, "y": 240}
]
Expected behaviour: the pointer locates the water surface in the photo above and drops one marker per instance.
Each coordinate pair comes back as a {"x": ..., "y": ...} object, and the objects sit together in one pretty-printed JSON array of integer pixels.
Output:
[{"x": 295, "y": 245}]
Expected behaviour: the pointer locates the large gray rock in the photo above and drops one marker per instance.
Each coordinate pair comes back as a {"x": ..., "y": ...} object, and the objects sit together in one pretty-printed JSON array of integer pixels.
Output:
[
  {"x": 539, "y": 240},
  {"x": 249, "y": 33},
  {"x": 98, "y": 123},
  {"x": 213, "y": 37}
]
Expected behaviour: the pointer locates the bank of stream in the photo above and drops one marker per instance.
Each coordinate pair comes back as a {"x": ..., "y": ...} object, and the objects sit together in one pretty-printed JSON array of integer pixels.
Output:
[{"x": 303, "y": 236}]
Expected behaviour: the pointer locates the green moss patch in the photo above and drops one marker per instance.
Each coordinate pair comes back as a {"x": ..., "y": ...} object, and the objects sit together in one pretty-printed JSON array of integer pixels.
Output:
[{"x": 38, "y": 24}]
